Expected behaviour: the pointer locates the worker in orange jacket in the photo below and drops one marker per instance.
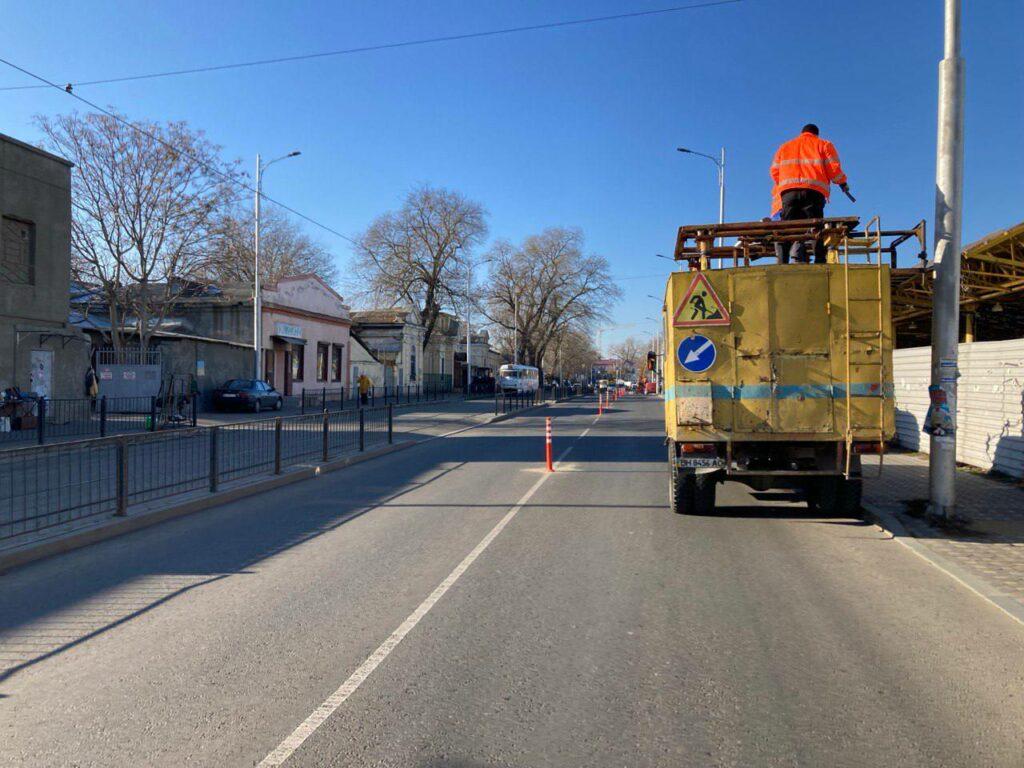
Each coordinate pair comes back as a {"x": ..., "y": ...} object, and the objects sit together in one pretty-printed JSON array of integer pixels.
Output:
[{"x": 803, "y": 170}]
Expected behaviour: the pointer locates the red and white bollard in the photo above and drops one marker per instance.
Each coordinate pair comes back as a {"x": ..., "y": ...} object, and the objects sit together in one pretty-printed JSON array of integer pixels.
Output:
[{"x": 547, "y": 445}]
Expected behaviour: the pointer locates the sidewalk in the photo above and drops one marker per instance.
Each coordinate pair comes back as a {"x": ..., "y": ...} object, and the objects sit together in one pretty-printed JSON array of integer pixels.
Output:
[
  {"x": 988, "y": 553},
  {"x": 241, "y": 471}
]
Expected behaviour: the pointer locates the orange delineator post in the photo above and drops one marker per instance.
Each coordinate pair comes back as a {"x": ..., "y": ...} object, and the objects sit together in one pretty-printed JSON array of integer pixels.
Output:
[{"x": 547, "y": 445}]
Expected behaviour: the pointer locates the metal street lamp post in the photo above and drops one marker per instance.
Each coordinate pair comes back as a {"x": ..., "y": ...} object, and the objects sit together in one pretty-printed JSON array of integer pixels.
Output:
[
  {"x": 257, "y": 340},
  {"x": 720, "y": 164}
]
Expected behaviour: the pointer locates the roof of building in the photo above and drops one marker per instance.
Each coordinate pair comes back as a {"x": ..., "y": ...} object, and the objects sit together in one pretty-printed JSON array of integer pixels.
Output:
[
  {"x": 383, "y": 317},
  {"x": 356, "y": 340},
  {"x": 36, "y": 150},
  {"x": 992, "y": 291}
]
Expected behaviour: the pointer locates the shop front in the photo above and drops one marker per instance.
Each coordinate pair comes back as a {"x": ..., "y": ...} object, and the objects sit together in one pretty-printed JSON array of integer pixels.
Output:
[{"x": 306, "y": 336}]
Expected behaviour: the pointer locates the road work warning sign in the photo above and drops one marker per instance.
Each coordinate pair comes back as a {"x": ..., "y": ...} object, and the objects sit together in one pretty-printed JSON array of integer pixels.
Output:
[{"x": 700, "y": 306}]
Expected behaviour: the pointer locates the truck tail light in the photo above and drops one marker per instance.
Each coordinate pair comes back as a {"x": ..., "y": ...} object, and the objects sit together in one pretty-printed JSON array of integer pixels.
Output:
[{"x": 698, "y": 448}]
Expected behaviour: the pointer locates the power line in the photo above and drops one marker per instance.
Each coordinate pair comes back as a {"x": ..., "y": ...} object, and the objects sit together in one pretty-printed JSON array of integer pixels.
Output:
[
  {"x": 387, "y": 46},
  {"x": 209, "y": 168}
]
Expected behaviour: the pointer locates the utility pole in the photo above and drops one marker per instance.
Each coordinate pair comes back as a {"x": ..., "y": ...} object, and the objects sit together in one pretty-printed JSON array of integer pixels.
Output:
[
  {"x": 256, "y": 329},
  {"x": 949, "y": 165},
  {"x": 720, "y": 165},
  {"x": 721, "y": 192},
  {"x": 515, "y": 332},
  {"x": 257, "y": 338},
  {"x": 469, "y": 290}
]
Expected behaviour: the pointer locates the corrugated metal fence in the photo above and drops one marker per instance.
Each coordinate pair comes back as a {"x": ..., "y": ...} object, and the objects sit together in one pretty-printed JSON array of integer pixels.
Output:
[{"x": 990, "y": 411}]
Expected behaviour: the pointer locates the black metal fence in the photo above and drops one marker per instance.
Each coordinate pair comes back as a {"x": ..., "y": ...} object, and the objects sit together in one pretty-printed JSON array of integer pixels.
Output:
[
  {"x": 506, "y": 402},
  {"x": 51, "y": 485},
  {"x": 339, "y": 398},
  {"x": 50, "y": 419}
]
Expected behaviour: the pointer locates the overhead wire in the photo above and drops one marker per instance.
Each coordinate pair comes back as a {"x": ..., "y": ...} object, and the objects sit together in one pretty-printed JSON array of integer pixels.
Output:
[
  {"x": 206, "y": 166},
  {"x": 68, "y": 89},
  {"x": 387, "y": 46}
]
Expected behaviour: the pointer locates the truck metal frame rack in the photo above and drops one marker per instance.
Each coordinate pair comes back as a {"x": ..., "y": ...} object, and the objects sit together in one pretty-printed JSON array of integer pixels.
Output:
[
  {"x": 757, "y": 239},
  {"x": 795, "y": 379}
]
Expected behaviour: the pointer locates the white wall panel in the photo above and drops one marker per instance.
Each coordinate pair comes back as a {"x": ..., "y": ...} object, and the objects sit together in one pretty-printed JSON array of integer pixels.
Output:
[{"x": 990, "y": 411}]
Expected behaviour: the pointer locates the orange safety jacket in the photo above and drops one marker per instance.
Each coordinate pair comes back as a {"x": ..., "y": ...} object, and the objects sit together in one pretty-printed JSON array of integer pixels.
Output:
[{"x": 806, "y": 162}]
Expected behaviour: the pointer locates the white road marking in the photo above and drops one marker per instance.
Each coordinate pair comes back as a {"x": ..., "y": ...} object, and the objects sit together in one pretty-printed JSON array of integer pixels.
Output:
[{"x": 286, "y": 748}]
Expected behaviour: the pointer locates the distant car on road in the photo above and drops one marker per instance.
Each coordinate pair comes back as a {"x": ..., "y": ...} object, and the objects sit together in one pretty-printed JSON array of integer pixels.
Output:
[{"x": 249, "y": 394}]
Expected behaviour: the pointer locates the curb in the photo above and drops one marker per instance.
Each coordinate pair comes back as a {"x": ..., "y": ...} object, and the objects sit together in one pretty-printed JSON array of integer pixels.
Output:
[
  {"x": 111, "y": 527},
  {"x": 979, "y": 586}
]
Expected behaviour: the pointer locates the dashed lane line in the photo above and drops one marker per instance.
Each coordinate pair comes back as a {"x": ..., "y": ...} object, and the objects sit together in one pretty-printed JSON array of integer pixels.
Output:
[{"x": 307, "y": 727}]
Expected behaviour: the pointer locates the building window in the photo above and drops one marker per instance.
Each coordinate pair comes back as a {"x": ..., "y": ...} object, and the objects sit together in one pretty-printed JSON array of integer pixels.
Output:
[
  {"x": 18, "y": 252},
  {"x": 322, "y": 355},
  {"x": 298, "y": 366},
  {"x": 412, "y": 364},
  {"x": 337, "y": 355}
]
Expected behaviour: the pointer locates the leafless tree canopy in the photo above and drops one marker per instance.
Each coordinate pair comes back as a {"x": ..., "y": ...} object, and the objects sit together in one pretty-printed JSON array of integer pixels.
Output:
[
  {"x": 284, "y": 249},
  {"x": 631, "y": 350},
  {"x": 417, "y": 256},
  {"x": 551, "y": 286},
  {"x": 143, "y": 211},
  {"x": 575, "y": 354}
]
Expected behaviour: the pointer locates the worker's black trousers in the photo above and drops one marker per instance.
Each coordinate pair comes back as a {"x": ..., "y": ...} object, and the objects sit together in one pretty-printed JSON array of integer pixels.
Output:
[{"x": 803, "y": 204}]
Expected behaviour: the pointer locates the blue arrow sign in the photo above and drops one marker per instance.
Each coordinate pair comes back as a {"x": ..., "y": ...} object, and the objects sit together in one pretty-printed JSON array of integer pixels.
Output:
[{"x": 697, "y": 353}]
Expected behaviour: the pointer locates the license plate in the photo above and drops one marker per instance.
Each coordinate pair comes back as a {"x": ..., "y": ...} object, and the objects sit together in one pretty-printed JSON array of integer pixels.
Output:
[
  {"x": 229, "y": 395},
  {"x": 700, "y": 461}
]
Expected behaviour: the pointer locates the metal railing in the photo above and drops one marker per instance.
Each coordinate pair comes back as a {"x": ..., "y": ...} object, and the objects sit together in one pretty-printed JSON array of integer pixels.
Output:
[
  {"x": 506, "y": 402},
  {"x": 51, "y": 485},
  {"x": 319, "y": 400},
  {"x": 52, "y": 419}
]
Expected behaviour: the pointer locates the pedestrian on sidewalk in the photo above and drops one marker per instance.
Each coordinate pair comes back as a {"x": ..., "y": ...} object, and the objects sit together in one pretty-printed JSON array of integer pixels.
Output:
[
  {"x": 364, "y": 384},
  {"x": 92, "y": 388}
]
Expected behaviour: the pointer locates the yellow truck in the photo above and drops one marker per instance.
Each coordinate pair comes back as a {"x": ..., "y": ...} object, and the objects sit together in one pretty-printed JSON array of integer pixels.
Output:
[{"x": 778, "y": 375}]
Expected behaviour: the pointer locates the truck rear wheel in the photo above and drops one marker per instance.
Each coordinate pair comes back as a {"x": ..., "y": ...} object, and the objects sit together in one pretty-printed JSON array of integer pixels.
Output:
[
  {"x": 680, "y": 485},
  {"x": 704, "y": 494}
]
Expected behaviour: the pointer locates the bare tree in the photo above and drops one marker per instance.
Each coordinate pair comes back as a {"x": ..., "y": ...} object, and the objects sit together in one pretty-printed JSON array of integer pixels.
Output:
[
  {"x": 284, "y": 249},
  {"x": 144, "y": 199},
  {"x": 417, "y": 256},
  {"x": 630, "y": 350},
  {"x": 545, "y": 287},
  {"x": 575, "y": 354}
]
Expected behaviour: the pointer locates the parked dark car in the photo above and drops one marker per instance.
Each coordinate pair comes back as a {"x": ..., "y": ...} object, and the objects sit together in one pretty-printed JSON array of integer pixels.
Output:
[{"x": 247, "y": 393}]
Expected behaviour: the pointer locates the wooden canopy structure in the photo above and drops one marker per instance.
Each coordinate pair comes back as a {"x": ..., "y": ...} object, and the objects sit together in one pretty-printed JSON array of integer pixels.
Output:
[{"x": 991, "y": 293}]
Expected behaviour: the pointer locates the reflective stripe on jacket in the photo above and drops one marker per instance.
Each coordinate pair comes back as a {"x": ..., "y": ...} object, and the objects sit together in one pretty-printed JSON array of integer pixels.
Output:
[{"x": 806, "y": 162}]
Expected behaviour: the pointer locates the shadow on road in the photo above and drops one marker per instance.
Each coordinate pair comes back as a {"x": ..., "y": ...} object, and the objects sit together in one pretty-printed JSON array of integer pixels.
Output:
[{"x": 49, "y": 607}]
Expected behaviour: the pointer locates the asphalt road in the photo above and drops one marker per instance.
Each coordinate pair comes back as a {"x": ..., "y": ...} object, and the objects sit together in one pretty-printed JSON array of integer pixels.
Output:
[{"x": 454, "y": 605}]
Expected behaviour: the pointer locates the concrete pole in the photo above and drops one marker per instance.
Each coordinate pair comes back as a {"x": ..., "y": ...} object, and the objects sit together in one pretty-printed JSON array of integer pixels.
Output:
[
  {"x": 469, "y": 363},
  {"x": 949, "y": 165},
  {"x": 515, "y": 332},
  {"x": 256, "y": 340}
]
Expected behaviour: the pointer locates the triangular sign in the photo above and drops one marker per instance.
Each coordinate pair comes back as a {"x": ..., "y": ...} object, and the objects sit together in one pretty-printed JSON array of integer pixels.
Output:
[{"x": 700, "y": 306}]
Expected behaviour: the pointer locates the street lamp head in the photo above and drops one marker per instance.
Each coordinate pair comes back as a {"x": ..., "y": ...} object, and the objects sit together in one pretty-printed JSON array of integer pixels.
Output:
[
  {"x": 684, "y": 149},
  {"x": 296, "y": 153}
]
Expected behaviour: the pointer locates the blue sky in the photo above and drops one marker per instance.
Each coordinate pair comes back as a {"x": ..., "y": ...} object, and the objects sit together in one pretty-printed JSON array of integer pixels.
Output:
[{"x": 574, "y": 126}]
